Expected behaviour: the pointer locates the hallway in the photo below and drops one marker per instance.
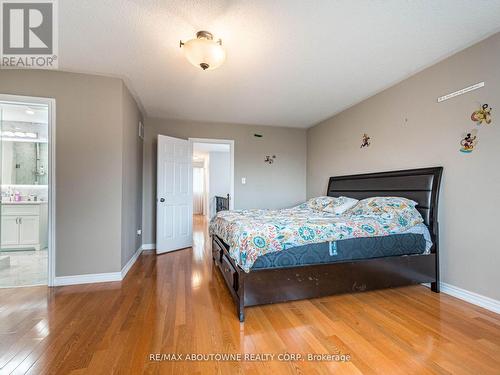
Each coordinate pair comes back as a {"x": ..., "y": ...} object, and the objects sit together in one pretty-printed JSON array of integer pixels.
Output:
[{"x": 177, "y": 303}]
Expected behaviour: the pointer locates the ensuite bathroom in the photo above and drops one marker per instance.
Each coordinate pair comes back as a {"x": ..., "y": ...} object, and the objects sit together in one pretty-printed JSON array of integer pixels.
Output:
[{"x": 25, "y": 180}]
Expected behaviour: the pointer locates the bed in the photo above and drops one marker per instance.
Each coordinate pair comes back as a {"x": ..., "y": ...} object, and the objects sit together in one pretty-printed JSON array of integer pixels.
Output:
[{"x": 395, "y": 260}]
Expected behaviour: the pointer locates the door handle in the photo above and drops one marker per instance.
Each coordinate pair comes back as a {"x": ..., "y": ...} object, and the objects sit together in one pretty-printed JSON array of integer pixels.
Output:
[{"x": 162, "y": 200}]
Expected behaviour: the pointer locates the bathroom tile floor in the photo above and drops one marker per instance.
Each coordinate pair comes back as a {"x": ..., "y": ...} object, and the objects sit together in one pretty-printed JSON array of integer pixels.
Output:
[{"x": 26, "y": 268}]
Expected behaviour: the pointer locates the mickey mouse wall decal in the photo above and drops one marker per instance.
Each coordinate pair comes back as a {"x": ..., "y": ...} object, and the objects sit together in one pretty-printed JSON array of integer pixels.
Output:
[
  {"x": 468, "y": 142},
  {"x": 365, "y": 141},
  {"x": 482, "y": 115},
  {"x": 269, "y": 159}
]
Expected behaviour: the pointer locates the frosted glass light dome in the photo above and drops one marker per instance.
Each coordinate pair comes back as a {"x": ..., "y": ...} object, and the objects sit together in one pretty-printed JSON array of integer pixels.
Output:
[{"x": 204, "y": 52}]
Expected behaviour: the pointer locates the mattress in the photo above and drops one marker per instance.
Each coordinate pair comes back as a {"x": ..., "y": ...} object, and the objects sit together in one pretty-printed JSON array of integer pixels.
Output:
[
  {"x": 254, "y": 233},
  {"x": 345, "y": 250}
]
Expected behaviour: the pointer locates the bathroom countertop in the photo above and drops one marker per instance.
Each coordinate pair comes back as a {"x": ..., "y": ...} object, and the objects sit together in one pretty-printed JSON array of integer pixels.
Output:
[{"x": 24, "y": 202}]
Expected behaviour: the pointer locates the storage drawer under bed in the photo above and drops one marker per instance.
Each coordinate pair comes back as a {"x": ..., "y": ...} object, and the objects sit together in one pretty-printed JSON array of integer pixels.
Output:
[
  {"x": 225, "y": 265},
  {"x": 217, "y": 251},
  {"x": 229, "y": 272}
]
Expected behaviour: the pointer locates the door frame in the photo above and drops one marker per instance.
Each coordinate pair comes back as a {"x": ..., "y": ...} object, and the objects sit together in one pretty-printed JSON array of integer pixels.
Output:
[
  {"x": 51, "y": 103},
  {"x": 230, "y": 142}
]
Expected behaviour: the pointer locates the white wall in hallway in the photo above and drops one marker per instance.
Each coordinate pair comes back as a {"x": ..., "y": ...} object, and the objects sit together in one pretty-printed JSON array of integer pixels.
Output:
[{"x": 220, "y": 177}]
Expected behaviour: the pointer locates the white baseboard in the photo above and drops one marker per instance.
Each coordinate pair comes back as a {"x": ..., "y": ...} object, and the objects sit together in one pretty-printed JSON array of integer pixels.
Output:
[
  {"x": 148, "y": 246},
  {"x": 87, "y": 279},
  {"x": 471, "y": 297},
  {"x": 131, "y": 262},
  {"x": 98, "y": 277}
]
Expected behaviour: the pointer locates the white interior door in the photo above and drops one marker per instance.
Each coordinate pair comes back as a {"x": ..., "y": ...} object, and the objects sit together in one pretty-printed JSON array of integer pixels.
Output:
[{"x": 174, "y": 195}]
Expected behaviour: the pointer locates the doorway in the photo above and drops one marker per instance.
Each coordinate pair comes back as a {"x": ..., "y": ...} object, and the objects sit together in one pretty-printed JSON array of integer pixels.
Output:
[
  {"x": 213, "y": 176},
  {"x": 175, "y": 201},
  {"x": 27, "y": 186}
]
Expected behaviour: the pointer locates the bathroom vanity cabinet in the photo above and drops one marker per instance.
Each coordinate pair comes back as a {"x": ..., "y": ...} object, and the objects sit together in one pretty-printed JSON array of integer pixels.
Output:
[{"x": 24, "y": 225}]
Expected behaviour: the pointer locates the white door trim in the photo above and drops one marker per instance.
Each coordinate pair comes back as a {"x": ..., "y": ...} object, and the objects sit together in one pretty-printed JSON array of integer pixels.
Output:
[
  {"x": 51, "y": 103},
  {"x": 230, "y": 142}
]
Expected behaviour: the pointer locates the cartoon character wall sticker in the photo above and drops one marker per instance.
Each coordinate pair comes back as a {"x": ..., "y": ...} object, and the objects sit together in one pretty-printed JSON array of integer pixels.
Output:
[
  {"x": 469, "y": 141},
  {"x": 269, "y": 159},
  {"x": 365, "y": 142},
  {"x": 482, "y": 115}
]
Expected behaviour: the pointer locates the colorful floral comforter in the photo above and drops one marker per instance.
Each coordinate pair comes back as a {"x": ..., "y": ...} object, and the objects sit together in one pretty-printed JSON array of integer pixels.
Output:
[{"x": 252, "y": 233}]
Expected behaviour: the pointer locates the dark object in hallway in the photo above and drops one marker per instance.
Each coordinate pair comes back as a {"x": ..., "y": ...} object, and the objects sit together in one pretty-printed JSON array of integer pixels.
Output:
[
  {"x": 221, "y": 203},
  {"x": 263, "y": 286}
]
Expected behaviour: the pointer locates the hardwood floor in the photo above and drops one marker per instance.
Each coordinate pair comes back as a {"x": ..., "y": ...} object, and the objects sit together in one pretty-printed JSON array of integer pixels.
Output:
[{"x": 178, "y": 303}]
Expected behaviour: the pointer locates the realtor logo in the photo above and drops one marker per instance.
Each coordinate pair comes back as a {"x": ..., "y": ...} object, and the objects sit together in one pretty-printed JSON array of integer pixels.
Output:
[{"x": 29, "y": 34}]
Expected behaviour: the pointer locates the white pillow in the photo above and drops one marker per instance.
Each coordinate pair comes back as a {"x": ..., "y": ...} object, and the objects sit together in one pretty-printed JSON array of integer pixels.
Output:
[{"x": 340, "y": 205}]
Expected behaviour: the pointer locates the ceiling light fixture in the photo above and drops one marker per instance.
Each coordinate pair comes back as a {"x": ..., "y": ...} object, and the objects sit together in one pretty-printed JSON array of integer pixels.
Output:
[{"x": 204, "y": 52}]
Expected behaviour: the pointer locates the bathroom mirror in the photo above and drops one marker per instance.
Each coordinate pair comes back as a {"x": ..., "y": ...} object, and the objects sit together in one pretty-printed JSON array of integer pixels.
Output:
[{"x": 24, "y": 163}]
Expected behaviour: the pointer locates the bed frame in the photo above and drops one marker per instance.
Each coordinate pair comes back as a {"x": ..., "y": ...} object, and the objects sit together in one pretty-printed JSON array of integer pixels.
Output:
[{"x": 263, "y": 286}]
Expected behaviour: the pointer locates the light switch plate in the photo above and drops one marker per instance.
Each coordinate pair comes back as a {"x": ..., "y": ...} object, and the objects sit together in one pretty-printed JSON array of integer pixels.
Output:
[{"x": 243, "y": 180}]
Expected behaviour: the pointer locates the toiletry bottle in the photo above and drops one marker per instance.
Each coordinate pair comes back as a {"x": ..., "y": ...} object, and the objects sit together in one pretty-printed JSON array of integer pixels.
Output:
[{"x": 17, "y": 197}]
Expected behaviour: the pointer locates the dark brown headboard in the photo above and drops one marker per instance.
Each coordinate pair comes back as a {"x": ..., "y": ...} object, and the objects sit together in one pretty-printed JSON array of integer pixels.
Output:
[{"x": 420, "y": 185}]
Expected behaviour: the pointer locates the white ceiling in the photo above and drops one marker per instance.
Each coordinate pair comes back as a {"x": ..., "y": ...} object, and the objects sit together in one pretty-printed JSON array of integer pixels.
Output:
[{"x": 290, "y": 62}]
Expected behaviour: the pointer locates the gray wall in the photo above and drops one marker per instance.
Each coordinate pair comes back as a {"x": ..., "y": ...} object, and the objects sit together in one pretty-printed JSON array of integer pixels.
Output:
[
  {"x": 89, "y": 164},
  {"x": 132, "y": 177},
  {"x": 268, "y": 186},
  {"x": 470, "y": 244}
]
